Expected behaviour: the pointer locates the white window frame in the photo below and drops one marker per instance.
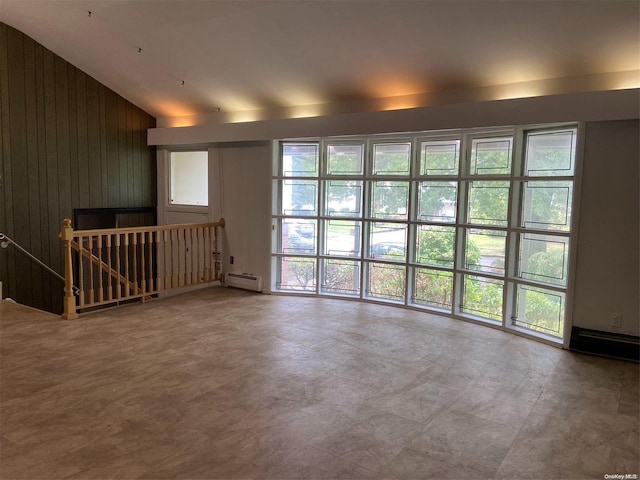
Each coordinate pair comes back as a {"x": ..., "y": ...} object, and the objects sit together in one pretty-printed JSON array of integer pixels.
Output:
[{"x": 511, "y": 230}]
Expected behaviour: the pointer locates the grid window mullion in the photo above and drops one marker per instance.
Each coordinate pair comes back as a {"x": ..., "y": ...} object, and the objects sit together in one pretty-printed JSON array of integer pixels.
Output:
[{"x": 475, "y": 223}]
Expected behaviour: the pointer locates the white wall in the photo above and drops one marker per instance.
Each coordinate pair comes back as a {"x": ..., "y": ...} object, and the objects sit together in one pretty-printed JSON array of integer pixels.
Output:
[
  {"x": 608, "y": 236},
  {"x": 245, "y": 183},
  {"x": 606, "y": 278},
  {"x": 591, "y": 106}
]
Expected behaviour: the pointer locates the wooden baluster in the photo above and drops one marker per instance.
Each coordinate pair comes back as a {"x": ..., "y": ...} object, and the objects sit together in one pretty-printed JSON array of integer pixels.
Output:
[
  {"x": 208, "y": 253},
  {"x": 117, "y": 254},
  {"x": 109, "y": 282},
  {"x": 143, "y": 281},
  {"x": 127, "y": 289},
  {"x": 184, "y": 244},
  {"x": 134, "y": 254},
  {"x": 173, "y": 264},
  {"x": 100, "y": 272},
  {"x": 69, "y": 304},
  {"x": 199, "y": 263},
  {"x": 212, "y": 245},
  {"x": 92, "y": 298},
  {"x": 216, "y": 273},
  {"x": 152, "y": 243},
  {"x": 165, "y": 252},
  {"x": 194, "y": 251},
  {"x": 81, "y": 300}
]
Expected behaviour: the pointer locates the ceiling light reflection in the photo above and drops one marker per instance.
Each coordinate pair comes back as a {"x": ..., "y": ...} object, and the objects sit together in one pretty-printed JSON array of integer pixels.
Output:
[
  {"x": 244, "y": 116},
  {"x": 305, "y": 111}
]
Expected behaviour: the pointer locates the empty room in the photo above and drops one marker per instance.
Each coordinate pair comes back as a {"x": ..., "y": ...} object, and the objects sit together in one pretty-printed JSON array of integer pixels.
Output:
[{"x": 349, "y": 239}]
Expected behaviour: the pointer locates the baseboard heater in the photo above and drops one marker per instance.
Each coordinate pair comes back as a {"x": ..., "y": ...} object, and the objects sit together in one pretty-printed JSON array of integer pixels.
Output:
[
  {"x": 244, "y": 281},
  {"x": 614, "y": 345}
]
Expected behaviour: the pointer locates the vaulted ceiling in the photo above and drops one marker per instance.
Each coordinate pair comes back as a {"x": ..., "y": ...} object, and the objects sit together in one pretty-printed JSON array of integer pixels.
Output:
[{"x": 188, "y": 57}]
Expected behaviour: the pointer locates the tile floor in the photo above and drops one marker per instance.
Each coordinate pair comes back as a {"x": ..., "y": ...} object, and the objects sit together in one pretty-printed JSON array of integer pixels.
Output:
[{"x": 226, "y": 384}]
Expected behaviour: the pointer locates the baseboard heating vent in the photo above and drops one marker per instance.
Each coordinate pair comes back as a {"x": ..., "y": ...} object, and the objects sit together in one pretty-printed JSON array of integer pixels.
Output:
[
  {"x": 244, "y": 281},
  {"x": 614, "y": 345}
]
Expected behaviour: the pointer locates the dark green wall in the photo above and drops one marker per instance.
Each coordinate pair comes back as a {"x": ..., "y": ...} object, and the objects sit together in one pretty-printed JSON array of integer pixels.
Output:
[{"x": 67, "y": 142}]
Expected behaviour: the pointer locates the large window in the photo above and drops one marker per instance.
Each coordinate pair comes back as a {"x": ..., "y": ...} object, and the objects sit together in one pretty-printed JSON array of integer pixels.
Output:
[{"x": 475, "y": 224}]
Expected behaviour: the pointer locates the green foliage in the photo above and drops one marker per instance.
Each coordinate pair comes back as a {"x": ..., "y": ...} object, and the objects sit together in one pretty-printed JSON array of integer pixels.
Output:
[
  {"x": 433, "y": 288},
  {"x": 388, "y": 160},
  {"x": 304, "y": 272},
  {"x": 483, "y": 297},
  {"x": 547, "y": 266},
  {"x": 491, "y": 161},
  {"x": 547, "y": 204},
  {"x": 488, "y": 202},
  {"x": 439, "y": 160},
  {"x": 390, "y": 199},
  {"x": 386, "y": 281},
  {"x": 433, "y": 198},
  {"x": 341, "y": 277},
  {"x": 541, "y": 310}
]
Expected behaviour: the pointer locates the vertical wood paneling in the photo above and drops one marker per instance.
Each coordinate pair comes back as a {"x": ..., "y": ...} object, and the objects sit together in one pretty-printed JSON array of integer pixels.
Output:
[
  {"x": 19, "y": 160},
  {"x": 66, "y": 142},
  {"x": 7, "y": 257},
  {"x": 31, "y": 116},
  {"x": 48, "y": 282}
]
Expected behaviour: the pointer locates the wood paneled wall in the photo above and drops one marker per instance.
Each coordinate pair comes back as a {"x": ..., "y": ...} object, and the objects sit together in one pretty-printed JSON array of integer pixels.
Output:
[{"x": 67, "y": 142}]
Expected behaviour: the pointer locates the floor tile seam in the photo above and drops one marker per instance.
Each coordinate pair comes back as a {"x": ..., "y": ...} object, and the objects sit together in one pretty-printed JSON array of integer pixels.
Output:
[
  {"x": 517, "y": 435},
  {"x": 426, "y": 456},
  {"x": 307, "y": 445},
  {"x": 396, "y": 362},
  {"x": 406, "y": 442}
]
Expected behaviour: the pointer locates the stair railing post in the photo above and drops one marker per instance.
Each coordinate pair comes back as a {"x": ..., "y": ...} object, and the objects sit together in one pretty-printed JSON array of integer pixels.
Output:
[{"x": 66, "y": 235}]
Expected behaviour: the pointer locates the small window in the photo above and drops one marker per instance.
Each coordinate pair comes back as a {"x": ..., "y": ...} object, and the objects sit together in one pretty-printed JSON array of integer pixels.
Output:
[{"x": 189, "y": 173}]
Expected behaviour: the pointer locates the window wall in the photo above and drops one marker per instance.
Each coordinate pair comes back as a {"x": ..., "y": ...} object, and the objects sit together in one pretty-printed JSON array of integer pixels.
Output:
[{"x": 475, "y": 224}]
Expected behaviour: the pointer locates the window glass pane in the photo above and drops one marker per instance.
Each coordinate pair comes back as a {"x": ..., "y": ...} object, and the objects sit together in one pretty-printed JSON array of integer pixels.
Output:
[
  {"x": 544, "y": 258},
  {"x": 433, "y": 288},
  {"x": 299, "y": 197},
  {"x": 343, "y": 198},
  {"x": 298, "y": 236},
  {"x": 550, "y": 153},
  {"x": 390, "y": 200},
  {"x": 386, "y": 281},
  {"x": 439, "y": 158},
  {"x": 388, "y": 241},
  {"x": 435, "y": 245},
  {"x": 341, "y": 277},
  {"x": 484, "y": 250},
  {"x": 488, "y": 203},
  {"x": 437, "y": 201},
  {"x": 540, "y": 309},
  {"x": 345, "y": 159},
  {"x": 491, "y": 156},
  {"x": 299, "y": 160},
  {"x": 296, "y": 274},
  {"x": 391, "y": 158},
  {"x": 547, "y": 205},
  {"x": 342, "y": 238},
  {"x": 482, "y": 297},
  {"x": 189, "y": 174}
]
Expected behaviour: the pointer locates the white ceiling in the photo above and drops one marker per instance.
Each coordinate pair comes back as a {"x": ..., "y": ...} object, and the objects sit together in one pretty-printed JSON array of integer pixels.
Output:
[{"x": 260, "y": 54}]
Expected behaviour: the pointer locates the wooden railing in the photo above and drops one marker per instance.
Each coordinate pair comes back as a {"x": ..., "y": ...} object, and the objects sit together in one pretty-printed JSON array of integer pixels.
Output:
[{"x": 118, "y": 264}]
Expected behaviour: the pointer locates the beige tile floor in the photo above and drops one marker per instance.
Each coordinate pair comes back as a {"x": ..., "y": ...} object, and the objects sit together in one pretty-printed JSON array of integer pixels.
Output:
[{"x": 227, "y": 384}]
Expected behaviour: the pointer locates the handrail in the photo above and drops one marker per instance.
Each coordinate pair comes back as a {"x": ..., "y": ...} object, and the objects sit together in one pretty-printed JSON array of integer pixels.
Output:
[
  {"x": 118, "y": 264},
  {"x": 103, "y": 266},
  {"x": 5, "y": 241}
]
